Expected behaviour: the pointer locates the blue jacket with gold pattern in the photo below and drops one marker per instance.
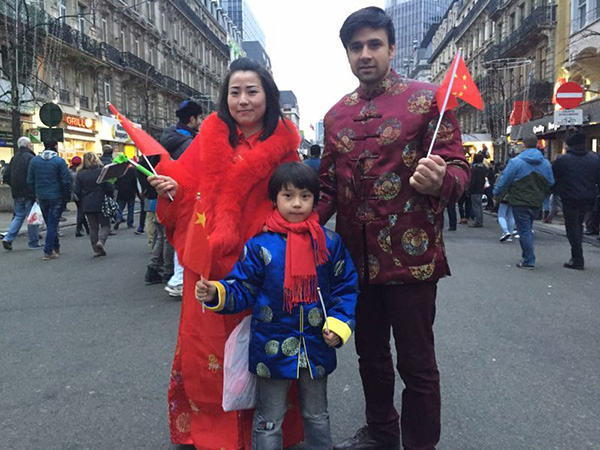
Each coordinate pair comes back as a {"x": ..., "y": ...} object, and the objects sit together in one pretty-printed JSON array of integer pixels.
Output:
[{"x": 282, "y": 342}]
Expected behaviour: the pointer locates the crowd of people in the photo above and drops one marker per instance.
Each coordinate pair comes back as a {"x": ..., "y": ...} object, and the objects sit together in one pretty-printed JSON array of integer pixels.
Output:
[{"x": 235, "y": 226}]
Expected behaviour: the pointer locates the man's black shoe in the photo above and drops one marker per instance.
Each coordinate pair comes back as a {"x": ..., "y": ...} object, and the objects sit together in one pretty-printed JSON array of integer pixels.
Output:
[
  {"x": 7, "y": 245},
  {"x": 152, "y": 276},
  {"x": 364, "y": 440},
  {"x": 573, "y": 265}
]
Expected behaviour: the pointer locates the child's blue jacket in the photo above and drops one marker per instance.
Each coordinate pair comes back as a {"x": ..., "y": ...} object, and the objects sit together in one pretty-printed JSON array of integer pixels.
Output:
[{"x": 282, "y": 342}]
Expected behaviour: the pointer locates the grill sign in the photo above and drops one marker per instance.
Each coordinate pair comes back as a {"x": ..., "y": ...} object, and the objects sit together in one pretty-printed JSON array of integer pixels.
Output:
[{"x": 79, "y": 122}]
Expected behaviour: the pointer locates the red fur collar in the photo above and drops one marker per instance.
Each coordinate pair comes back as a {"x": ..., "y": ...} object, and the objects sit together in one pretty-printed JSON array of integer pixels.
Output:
[{"x": 225, "y": 186}]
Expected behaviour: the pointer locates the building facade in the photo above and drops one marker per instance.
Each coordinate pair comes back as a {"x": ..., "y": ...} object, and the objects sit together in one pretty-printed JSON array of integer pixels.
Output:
[
  {"x": 240, "y": 12},
  {"x": 145, "y": 57},
  {"x": 289, "y": 107},
  {"x": 412, "y": 19}
]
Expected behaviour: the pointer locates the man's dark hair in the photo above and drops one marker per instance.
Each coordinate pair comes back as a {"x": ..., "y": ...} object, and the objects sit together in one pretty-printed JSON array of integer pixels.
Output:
[
  {"x": 576, "y": 140},
  {"x": 273, "y": 111},
  {"x": 315, "y": 150},
  {"x": 478, "y": 158},
  {"x": 372, "y": 17},
  {"x": 50, "y": 144},
  {"x": 188, "y": 109},
  {"x": 295, "y": 174}
]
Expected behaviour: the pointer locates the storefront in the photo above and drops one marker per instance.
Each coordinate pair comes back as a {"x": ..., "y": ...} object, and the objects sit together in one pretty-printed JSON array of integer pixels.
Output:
[
  {"x": 111, "y": 132},
  {"x": 475, "y": 143},
  {"x": 6, "y": 135},
  {"x": 80, "y": 132}
]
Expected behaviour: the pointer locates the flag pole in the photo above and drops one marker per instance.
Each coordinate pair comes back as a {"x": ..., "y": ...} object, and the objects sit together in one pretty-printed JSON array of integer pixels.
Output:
[
  {"x": 324, "y": 310},
  {"x": 437, "y": 128}
]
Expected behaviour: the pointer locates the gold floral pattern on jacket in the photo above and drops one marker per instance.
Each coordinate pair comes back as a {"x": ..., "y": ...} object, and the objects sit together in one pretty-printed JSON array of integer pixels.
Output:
[
  {"x": 389, "y": 131},
  {"x": 388, "y": 186},
  {"x": 345, "y": 140},
  {"x": 420, "y": 101},
  {"x": 409, "y": 155},
  {"x": 415, "y": 241},
  {"x": 423, "y": 272},
  {"x": 384, "y": 238},
  {"x": 213, "y": 363}
]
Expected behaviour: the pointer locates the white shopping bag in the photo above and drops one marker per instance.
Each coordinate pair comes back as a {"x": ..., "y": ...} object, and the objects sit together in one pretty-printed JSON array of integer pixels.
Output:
[
  {"x": 239, "y": 385},
  {"x": 35, "y": 215}
]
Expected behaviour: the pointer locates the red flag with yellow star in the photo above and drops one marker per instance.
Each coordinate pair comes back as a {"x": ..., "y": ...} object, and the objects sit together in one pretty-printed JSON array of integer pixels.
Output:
[
  {"x": 143, "y": 141},
  {"x": 463, "y": 87},
  {"x": 196, "y": 251}
]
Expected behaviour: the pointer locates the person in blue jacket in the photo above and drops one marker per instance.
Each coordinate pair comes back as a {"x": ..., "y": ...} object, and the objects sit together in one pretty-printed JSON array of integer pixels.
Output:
[
  {"x": 293, "y": 335},
  {"x": 527, "y": 179}
]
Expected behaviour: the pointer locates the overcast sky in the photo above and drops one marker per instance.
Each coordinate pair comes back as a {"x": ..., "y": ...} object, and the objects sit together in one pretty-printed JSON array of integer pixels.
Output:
[{"x": 302, "y": 38}]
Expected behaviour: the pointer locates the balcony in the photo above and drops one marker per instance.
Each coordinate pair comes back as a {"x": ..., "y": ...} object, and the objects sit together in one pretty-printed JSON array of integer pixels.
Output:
[
  {"x": 111, "y": 54},
  {"x": 495, "y": 7},
  {"x": 75, "y": 38},
  {"x": 212, "y": 37},
  {"x": 492, "y": 54},
  {"x": 539, "y": 19},
  {"x": 468, "y": 20}
]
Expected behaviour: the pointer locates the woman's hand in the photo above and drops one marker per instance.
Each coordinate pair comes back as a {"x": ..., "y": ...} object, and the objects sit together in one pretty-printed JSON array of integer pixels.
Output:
[
  {"x": 165, "y": 186},
  {"x": 205, "y": 291},
  {"x": 331, "y": 339}
]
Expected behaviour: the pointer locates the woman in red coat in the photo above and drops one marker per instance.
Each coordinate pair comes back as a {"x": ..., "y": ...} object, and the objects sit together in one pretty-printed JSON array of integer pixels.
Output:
[{"x": 220, "y": 200}]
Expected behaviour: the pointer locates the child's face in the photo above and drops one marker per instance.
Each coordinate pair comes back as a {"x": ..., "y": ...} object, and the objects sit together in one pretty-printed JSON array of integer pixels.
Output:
[{"x": 295, "y": 205}]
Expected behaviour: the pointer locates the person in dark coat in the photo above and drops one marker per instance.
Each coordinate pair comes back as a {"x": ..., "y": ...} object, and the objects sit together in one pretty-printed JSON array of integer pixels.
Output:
[
  {"x": 81, "y": 220},
  {"x": 177, "y": 138},
  {"x": 314, "y": 160},
  {"x": 48, "y": 175},
  {"x": 15, "y": 175},
  {"x": 577, "y": 175},
  {"x": 107, "y": 154},
  {"x": 476, "y": 188},
  {"x": 92, "y": 195},
  {"x": 126, "y": 192}
]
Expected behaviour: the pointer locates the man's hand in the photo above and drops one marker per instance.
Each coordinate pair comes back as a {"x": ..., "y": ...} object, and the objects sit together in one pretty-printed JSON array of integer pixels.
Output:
[
  {"x": 205, "y": 291},
  {"x": 165, "y": 186},
  {"x": 331, "y": 339},
  {"x": 429, "y": 176}
]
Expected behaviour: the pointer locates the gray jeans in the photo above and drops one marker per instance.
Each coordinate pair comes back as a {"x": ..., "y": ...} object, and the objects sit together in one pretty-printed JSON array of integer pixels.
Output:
[
  {"x": 162, "y": 252},
  {"x": 477, "y": 208},
  {"x": 99, "y": 228},
  {"x": 272, "y": 406}
]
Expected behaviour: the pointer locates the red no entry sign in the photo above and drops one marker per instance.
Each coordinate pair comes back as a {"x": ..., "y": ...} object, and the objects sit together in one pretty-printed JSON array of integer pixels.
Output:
[{"x": 569, "y": 95}]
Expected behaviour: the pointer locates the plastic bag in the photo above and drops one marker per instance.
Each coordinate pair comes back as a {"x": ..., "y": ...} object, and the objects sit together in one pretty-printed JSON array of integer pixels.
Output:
[
  {"x": 35, "y": 216},
  {"x": 239, "y": 385}
]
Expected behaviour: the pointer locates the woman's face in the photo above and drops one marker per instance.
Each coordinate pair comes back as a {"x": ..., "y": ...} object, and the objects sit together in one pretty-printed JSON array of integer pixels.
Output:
[{"x": 247, "y": 101}]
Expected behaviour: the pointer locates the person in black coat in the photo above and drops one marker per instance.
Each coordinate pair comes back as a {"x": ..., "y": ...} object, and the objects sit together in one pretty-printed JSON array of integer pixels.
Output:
[
  {"x": 476, "y": 188},
  {"x": 126, "y": 191},
  {"x": 577, "y": 175},
  {"x": 92, "y": 195},
  {"x": 15, "y": 175}
]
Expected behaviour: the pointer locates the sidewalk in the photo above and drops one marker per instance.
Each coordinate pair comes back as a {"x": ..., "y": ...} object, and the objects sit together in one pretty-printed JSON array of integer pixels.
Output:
[{"x": 557, "y": 228}]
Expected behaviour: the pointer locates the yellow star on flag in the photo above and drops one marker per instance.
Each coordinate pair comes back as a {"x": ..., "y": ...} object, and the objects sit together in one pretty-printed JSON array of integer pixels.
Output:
[{"x": 201, "y": 219}]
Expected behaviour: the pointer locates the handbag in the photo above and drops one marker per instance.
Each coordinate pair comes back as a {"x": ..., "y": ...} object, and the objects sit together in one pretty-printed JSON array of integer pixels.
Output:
[
  {"x": 239, "y": 385},
  {"x": 110, "y": 208}
]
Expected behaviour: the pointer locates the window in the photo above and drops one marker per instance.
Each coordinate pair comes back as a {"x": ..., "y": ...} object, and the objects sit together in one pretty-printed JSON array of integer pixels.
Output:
[
  {"x": 137, "y": 47},
  {"x": 62, "y": 9},
  {"x": 104, "y": 30},
  {"x": 81, "y": 13},
  {"x": 107, "y": 95},
  {"x": 122, "y": 41},
  {"x": 582, "y": 12},
  {"x": 151, "y": 12}
]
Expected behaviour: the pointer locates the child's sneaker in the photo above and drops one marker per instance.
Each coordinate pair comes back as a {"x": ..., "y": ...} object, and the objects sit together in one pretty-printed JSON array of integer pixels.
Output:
[{"x": 174, "y": 291}]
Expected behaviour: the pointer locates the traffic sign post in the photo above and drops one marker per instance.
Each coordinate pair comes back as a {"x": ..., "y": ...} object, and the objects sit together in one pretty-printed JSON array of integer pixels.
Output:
[
  {"x": 569, "y": 117},
  {"x": 569, "y": 95}
]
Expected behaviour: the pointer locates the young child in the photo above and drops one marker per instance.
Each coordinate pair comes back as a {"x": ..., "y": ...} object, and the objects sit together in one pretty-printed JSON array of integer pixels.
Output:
[{"x": 277, "y": 277}]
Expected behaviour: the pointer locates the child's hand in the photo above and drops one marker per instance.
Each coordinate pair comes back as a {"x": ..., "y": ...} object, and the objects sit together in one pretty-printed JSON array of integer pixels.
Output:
[
  {"x": 331, "y": 339},
  {"x": 205, "y": 291}
]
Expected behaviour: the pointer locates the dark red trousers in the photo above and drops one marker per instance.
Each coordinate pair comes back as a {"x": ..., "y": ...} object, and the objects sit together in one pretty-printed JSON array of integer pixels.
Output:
[{"x": 409, "y": 311}]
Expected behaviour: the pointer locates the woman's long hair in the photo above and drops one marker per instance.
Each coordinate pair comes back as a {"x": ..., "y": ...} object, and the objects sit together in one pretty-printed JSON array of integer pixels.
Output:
[
  {"x": 273, "y": 109},
  {"x": 90, "y": 161}
]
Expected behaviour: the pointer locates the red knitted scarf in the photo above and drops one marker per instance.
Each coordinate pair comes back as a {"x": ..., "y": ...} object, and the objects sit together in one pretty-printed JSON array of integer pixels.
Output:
[{"x": 301, "y": 257}]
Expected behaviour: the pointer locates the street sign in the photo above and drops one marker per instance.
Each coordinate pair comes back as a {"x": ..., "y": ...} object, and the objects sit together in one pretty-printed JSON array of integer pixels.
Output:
[
  {"x": 569, "y": 117},
  {"x": 52, "y": 133},
  {"x": 51, "y": 114},
  {"x": 569, "y": 95}
]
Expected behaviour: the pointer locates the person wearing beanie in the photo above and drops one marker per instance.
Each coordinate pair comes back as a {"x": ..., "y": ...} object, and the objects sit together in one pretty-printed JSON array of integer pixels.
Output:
[
  {"x": 577, "y": 175},
  {"x": 177, "y": 138},
  {"x": 107, "y": 154},
  {"x": 81, "y": 220}
]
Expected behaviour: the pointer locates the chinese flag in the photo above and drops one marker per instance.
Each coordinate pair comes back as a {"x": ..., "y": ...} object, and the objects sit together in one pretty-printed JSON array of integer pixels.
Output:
[
  {"x": 196, "y": 251},
  {"x": 144, "y": 142},
  {"x": 463, "y": 87}
]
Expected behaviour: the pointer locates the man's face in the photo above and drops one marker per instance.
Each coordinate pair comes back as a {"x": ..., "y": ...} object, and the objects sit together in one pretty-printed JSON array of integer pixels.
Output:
[
  {"x": 195, "y": 122},
  {"x": 369, "y": 54}
]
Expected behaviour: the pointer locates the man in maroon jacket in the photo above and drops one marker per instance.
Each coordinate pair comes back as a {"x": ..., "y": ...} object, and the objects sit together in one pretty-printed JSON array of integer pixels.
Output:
[{"x": 389, "y": 200}]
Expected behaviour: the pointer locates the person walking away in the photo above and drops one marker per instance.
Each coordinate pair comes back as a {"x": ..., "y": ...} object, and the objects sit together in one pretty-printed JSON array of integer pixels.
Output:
[
  {"x": 314, "y": 159},
  {"x": 527, "y": 179},
  {"x": 229, "y": 164},
  {"x": 92, "y": 196},
  {"x": 476, "y": 188},
  {"x": 464, "y": 208},
  {"x": 126, "y": 186},
  {"x": 506, "y": 219},
  {"x": 48, "y": 176},
  {"x": 389, "y": 200},
  {"x": 81, "y": 220},
  {"x": 107, "y": 154},
  {"x": 15, "y": 175},
  {"x": 296, "y": 244},
  {"x": 577, "y": 175},
  {"x": 451, "y": 210}
]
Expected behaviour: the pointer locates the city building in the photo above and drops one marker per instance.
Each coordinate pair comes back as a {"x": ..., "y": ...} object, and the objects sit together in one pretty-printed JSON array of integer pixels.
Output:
[
  {"x": 254, "y": 50},
  {"x": 143, "y": 56},
  {"x": 412, "y": 19},
  {"x": 420, "y": 68},
  {"x": 289, "y": 107},
  {"x": 240, "y": 12},
  {"x": 319, "y": 132}
]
